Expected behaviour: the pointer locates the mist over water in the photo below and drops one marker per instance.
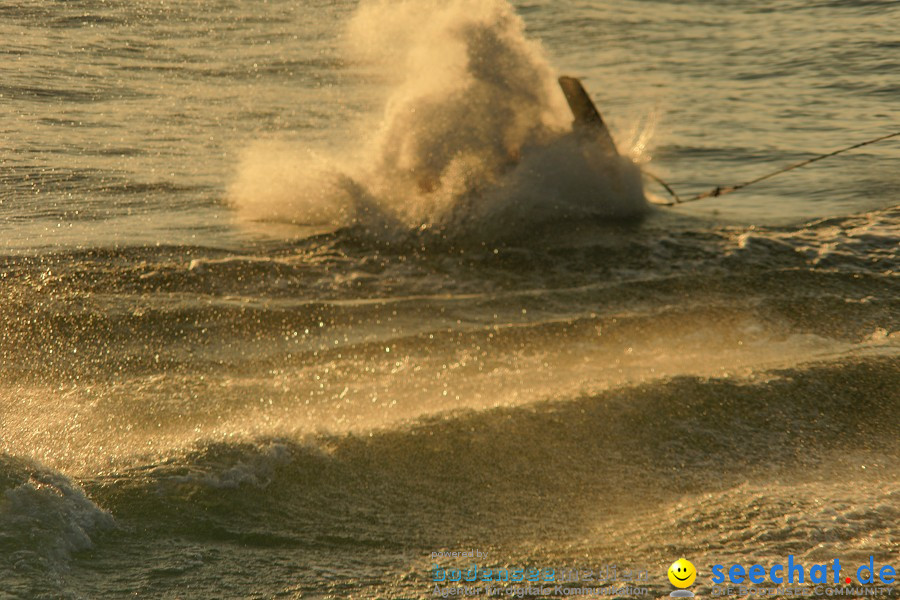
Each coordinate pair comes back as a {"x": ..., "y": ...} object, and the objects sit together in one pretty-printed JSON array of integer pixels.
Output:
[{"x": 296, "y": 294}]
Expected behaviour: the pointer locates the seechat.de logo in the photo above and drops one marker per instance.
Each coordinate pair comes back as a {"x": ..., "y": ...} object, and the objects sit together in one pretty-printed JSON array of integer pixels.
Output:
[{"x": 795, "y": 572}]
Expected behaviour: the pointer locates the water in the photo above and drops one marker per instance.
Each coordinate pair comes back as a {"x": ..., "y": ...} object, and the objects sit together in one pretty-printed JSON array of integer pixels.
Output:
[{"x": 296, "y": 294}]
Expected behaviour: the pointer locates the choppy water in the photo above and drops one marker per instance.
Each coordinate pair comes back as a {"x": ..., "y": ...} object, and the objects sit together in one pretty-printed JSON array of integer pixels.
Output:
[{"x": 295, "y": 294}]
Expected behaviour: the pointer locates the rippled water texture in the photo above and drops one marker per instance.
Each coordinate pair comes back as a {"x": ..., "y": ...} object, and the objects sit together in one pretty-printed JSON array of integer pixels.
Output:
[{"x": 295, "y": 294}]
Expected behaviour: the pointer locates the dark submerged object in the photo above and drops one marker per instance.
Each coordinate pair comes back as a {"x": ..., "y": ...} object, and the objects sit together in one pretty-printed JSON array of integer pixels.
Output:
[{"x": 587, "y": 118}]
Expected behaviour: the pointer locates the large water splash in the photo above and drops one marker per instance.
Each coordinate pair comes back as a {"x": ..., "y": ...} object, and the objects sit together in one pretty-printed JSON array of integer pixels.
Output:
[{"x": 475, "y": 136}]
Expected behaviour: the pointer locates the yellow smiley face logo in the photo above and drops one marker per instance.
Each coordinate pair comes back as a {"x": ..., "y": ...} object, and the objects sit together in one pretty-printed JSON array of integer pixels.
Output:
[{"x": 682, "y": 573}]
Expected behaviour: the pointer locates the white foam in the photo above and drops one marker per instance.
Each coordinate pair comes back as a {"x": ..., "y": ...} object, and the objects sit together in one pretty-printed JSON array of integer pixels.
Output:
[
  {"x": 51, "y": 516},
  {"x": 254, "y": 469}
]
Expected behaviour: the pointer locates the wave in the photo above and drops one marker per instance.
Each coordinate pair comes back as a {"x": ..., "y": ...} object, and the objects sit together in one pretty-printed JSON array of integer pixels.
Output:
[
  {"x": 652, "y": 286},
  {"x": 625, "y": 450},
  {"x": 667, "y": 243},
  {"x": 45, "y": 517},
  {"x": 769, "y": 461}
]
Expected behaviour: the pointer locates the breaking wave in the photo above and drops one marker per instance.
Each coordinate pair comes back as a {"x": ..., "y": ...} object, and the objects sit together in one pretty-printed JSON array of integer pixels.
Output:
[
  {"x": 44, "y": 516},
  {"x": 628, "y": 449}
]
